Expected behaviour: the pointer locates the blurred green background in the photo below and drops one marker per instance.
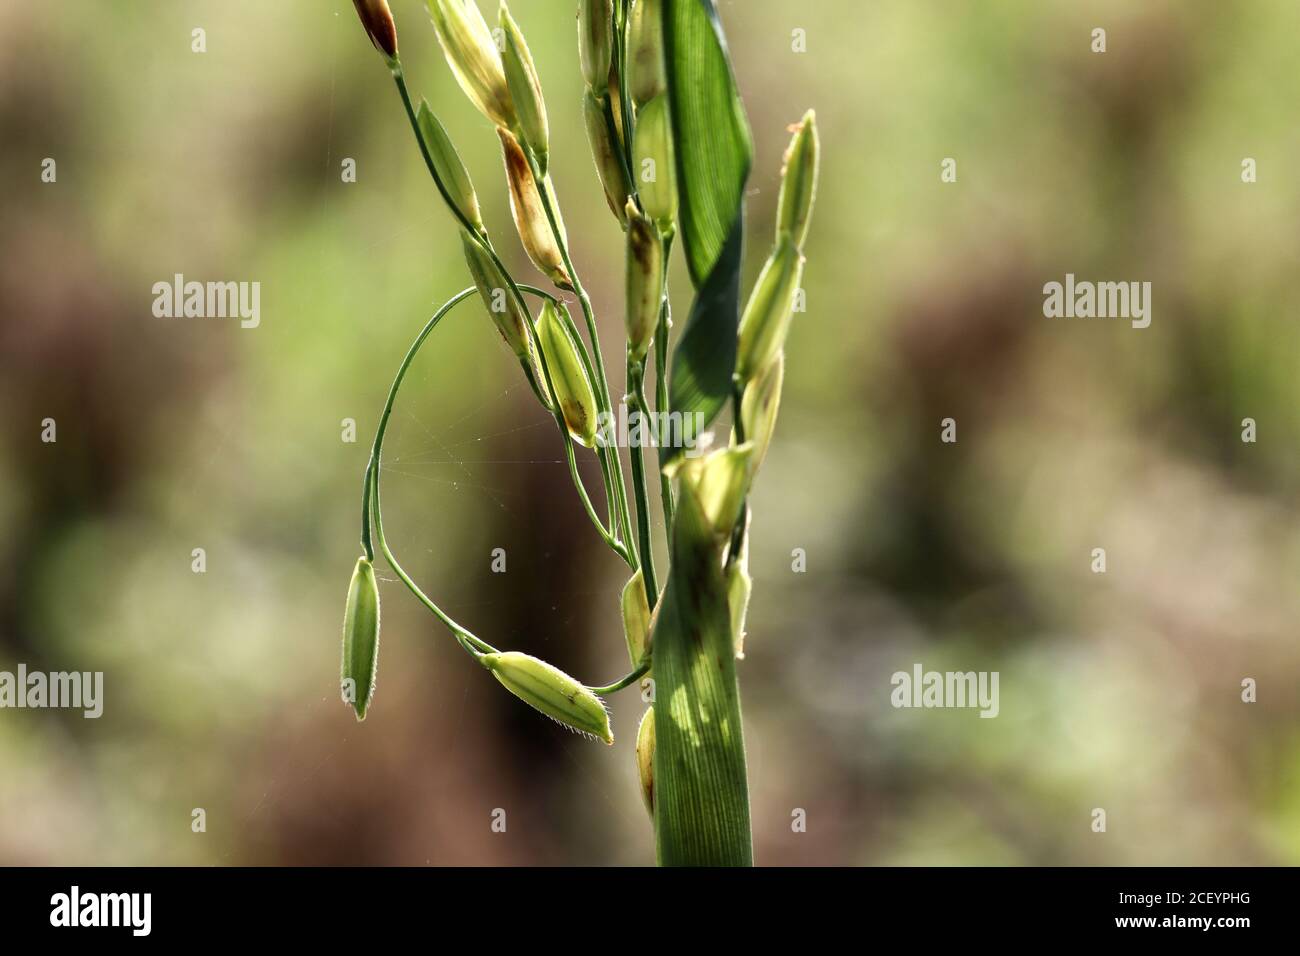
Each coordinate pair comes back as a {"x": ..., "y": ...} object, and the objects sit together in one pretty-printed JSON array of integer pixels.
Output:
[{"x": 1119, "y": 691}]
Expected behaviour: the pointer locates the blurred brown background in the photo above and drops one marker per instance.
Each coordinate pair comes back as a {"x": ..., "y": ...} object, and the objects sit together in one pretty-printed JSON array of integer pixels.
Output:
[{"x": 1119, "y": 691}]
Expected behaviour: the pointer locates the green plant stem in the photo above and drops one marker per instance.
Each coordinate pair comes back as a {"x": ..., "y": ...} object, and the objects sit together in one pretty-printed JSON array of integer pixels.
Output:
[
  {"x": 608, "y": 477},
  {"x": 366, "y": 545},
  {"x": 621, "y": 26},
  {"x": 614, "y": 544},
  {"x": 636, "y": 388},
  {"x": 632, "y": 678},
  {"x": 737, "y": 399},
  {"x": 738, "y": 425},
  {"x": 615, "y": 463},
  {"x": 661, "y": 387},
  {"x": 467, "y": 640}
]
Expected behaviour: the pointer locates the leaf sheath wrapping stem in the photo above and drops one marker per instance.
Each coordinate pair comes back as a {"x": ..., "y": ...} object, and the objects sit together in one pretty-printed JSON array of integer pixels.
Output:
[{"x": 701, "y": 804}]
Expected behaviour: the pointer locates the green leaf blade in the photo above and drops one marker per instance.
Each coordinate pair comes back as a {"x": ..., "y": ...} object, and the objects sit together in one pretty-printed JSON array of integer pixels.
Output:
[
  {"x": 714, "y": 153},
  {"x": 713, "y": 144},
  {"x": 705, "y": 356}
]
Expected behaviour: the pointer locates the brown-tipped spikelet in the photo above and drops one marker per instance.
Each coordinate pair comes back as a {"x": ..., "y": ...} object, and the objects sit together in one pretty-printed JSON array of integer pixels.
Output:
[
  {"x": 645, "y": 281},
  {"x": 613, "y": 175},
  {"x": 646, "y": 78},
  {"x": 799, "y": 180},
  {"x": 378, "y": 21},
  {"x": 473, "y": 57},
  {"x": 360, "y": 639},
  {"x": 572, "y": 387},
  {"x": 530, "y": 215},
  {"x": 550, "y": 690}
]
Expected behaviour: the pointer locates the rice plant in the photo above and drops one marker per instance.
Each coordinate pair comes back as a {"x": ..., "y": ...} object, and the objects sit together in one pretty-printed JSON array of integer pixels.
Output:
[{"x": 672, "y": 152}]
